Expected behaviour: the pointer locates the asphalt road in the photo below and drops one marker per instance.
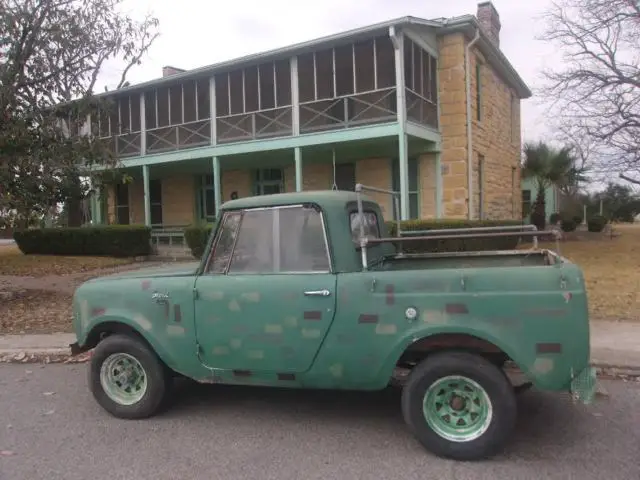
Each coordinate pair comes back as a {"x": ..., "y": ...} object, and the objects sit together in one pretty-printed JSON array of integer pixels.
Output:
[{"x": 50, "y": 428}]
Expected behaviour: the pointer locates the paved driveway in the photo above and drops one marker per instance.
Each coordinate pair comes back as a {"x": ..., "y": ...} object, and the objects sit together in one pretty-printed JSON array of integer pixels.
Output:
[{"x": 56, "y": 431}]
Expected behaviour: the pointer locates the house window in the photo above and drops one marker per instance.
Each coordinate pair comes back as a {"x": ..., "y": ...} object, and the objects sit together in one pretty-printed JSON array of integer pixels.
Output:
[
  {"x": 346, "y": 176},
  {"x": 526, "y": 203},
  {"x": 414, "y": 210},
  {"x": 269, "y": 181},
  {"x": 478, "y": 90},
  {"x": 480, "y": 187},
  {"x": 206, "y": 199},
  {"x": 155, "y": 199},
  {"x": 514, "y": 119},
  {"x": 122, "y": 203}
]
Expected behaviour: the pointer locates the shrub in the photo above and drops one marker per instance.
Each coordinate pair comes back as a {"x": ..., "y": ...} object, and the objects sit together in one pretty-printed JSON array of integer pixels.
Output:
[
  {"x": 539, "y": 220},
  {"x": 596, "y": 223},
  {"x": 104, "y": 240},
  {"x": 568, "y": 224},
  {"x": 577, "y": 219},
  {"x": 455, "y": 245},
  {"x": 554, "y": 218},
  {"x": 197, "y": 236}
]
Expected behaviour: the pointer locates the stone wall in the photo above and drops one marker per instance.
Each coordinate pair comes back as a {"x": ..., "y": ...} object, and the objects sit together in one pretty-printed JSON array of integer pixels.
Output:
[{"x": 496, "y": 136}]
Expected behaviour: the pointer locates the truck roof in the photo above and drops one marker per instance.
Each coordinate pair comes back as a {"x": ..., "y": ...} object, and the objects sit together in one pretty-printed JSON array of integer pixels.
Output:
[{"x": 324, "y": 198}]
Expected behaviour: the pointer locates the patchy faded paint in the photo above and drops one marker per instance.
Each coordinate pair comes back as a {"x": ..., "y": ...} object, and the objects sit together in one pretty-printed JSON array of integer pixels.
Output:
[
  {"x": 456, "y": 308},
  {"x": 273, "y": 328},
  {"x": 391, "y": 297},
  {"x": 251, "y": 296},
  {"x": 145, "y": 284},
  {"x": 234, "y": 306},
  {"x": 143, "y": 322},
  {"x": 434, "y": 316},
  {"x": 98, "y": 311},
  {"x": 311, "y": 333},
  {"x": 543, "y": 365},
  {"x": 235, "y": 343},
  {"x": 221, "y": 350},
  {"x": 213, "y": 295},
  {"x": 368, "y": 318},
  {"x": 255, "y": 354},
  {"x": 388, "y": 329},
  {"x": 312, "y": 315},
  {"x": 336, "y": 370},
  {"x": 290, "y": 321},
  {"x": 177, "y": 313},
  {"x": 175, "y": 330}
]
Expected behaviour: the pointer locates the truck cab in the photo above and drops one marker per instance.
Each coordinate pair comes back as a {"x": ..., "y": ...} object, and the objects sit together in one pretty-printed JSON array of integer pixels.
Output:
[{"x": 308, "y": 290}]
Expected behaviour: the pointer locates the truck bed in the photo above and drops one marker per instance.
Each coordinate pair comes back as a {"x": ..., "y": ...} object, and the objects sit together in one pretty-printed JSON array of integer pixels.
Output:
[{"x": 457, "y": 260}]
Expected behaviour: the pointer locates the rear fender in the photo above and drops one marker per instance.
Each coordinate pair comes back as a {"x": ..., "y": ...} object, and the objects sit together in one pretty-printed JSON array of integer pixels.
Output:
[{"x": 422, "y": 335}]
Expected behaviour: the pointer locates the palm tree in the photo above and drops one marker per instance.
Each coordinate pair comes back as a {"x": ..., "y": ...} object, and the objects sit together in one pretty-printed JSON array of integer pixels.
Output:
[{"x": 550, "y": 166}]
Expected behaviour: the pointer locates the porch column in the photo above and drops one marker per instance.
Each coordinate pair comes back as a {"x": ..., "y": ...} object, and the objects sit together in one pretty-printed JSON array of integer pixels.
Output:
[
  {"x": 98, "y": 205},
  {"x": 298, "y": 159},
  {"x": 147, "y": 199},
  {"x": 217, "y": 191},
  {"x": 438, "y": 184},
  {"x": 143, "y": 126},
  {"x": 295, "y": 97},
  {"x": 397, "y": 39}
]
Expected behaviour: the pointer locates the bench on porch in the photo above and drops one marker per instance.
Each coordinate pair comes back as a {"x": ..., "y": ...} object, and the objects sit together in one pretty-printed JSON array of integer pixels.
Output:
[{"x": 169, "y": 240}]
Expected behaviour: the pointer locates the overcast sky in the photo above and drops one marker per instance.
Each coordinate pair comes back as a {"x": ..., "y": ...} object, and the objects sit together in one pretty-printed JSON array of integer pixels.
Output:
[{"x": 195, "y": 33}]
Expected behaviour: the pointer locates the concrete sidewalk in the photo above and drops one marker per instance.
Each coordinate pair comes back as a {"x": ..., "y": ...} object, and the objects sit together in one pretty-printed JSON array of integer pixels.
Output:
[{"x": 614, "y": 345}]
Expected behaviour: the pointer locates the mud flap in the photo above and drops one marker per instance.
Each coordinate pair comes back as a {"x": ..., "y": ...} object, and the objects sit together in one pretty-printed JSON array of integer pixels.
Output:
[{"x": 583, "y": 386}]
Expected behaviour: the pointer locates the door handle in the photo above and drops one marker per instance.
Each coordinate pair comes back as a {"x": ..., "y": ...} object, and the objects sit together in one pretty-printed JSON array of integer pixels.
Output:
[{"x": 317, "y": 293}]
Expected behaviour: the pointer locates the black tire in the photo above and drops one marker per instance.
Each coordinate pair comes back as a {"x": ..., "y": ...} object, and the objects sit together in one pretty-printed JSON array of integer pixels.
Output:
[
  {"x": 159, "y": 380},
  {"x": 494, "y": 382}
]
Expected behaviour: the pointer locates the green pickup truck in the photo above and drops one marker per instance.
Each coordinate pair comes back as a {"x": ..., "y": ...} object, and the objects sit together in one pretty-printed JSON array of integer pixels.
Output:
[{"x": 308, "y": 290}]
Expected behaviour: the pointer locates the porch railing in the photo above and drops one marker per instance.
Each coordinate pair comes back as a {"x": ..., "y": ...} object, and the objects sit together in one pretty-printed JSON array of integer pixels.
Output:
[
  {"x": 274, "y": 122},
  {"x": 176, "y": 137},
  {"x": 421, "y": 110},
  {"x": 375, "y": 106}
]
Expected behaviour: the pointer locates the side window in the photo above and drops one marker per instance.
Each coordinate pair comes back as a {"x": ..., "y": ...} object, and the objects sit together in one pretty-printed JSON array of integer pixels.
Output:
[
  {"x": 303, "y": 246},
  {"x": 254, "y": 248},
  {"x": 371, "y": 229},
  {"x": 224, "y": 243},
  {"x": 281, "y": 240}
]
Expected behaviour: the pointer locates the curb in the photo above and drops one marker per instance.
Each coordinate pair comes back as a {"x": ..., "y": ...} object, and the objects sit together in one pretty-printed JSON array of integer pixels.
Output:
[{"x": 63, "y": 355}]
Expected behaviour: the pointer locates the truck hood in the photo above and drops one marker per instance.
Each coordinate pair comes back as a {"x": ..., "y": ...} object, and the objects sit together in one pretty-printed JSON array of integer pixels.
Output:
[{"x": 180, "y": 270}]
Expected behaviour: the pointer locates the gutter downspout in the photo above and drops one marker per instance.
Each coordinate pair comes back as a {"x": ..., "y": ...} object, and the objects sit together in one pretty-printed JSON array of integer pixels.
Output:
[{"x": 467, "y": 75}]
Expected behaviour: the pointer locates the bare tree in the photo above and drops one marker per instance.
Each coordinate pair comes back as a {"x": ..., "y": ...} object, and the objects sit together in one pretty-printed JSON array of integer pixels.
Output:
[
  {"x": 52, "y": 53},
  {"x": 595, "y": 94}
]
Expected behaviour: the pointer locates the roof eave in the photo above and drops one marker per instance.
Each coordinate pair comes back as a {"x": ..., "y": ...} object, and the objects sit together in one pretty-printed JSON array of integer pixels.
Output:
[{"x": 468, "y": 24}]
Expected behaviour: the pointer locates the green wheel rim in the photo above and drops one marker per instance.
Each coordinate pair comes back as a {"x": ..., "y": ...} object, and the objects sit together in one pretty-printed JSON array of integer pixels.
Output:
[
  {"x": 123, "y": 379},
  {"x": 457, "y": 408}
]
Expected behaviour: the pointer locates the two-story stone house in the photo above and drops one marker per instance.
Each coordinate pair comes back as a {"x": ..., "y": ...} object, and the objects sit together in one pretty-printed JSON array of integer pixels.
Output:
[{"x": 430, "y": 108}]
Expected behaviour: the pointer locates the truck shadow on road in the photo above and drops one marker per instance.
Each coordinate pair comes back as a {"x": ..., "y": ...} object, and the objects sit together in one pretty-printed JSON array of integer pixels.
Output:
[{"x": 547, "y": 423}]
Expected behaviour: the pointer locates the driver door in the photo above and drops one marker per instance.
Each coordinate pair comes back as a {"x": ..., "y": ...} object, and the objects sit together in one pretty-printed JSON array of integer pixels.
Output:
[{"x": 267, "y": 297}]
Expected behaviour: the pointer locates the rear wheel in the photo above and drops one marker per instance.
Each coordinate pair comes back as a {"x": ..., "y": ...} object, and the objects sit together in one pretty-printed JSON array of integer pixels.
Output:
[
  {"x": 127, "y": 378},
  {"x": 459, "y": 406}
]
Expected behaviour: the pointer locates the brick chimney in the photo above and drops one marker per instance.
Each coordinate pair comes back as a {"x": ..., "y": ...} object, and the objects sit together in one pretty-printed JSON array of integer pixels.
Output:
[
  {"x": 489, "y": 21},
  {"x": 166, "y": 71}
]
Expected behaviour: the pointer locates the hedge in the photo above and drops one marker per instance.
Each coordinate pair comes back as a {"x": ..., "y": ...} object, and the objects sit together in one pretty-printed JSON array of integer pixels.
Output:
[
  {"x": 197, "y": 236},
  {"x": 106, "y": 240},
  {"x": 456, "y": 245},
  {"x": 596, "y": 223}
]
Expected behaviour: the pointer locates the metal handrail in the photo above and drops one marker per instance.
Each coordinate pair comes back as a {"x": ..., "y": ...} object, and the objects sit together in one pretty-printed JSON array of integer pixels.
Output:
[{"x": 478, "y": 232}]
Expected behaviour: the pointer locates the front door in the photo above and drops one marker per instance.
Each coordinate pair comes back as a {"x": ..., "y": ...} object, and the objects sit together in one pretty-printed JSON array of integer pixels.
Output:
[{"x": 267, "y": 297}]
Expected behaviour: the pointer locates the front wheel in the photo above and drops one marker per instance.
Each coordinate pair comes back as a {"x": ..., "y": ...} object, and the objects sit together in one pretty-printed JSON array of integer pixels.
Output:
[
  {"x": 127, "y": 378},
  {"x": 459, "y": 406}
]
